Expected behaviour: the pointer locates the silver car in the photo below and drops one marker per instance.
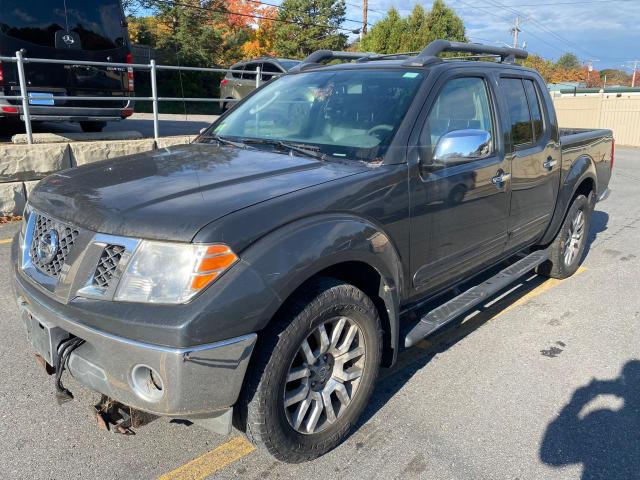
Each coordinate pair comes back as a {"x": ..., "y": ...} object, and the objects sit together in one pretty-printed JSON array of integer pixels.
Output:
[{"x": 236, "y": 85}]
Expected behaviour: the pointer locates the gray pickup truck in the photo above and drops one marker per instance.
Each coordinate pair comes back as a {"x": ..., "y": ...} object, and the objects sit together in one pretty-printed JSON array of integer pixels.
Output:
[{"x": 262, "y": 275}]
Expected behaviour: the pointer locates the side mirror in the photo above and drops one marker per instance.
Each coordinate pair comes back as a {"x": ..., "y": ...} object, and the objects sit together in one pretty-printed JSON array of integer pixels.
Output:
[{"x": 461, "y": 146}]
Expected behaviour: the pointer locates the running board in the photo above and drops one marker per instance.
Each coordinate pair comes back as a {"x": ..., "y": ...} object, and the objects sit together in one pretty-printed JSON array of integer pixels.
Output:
[{"x": 447, "y": 312}]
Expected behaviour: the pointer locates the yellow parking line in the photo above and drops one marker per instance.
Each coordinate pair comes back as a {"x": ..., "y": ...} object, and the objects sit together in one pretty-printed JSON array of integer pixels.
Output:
[
  {"x": 208, "y": 463},
  {"x": 6, "y": 240},
  {"x": 539, "y": 290}
]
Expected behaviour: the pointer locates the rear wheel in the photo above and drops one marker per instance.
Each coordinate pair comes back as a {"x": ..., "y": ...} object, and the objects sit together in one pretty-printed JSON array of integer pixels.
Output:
[
  {"x": 92, "y": 127},
  {"x": 568, "y": 247},
  {"x": 313, "y": 372}
]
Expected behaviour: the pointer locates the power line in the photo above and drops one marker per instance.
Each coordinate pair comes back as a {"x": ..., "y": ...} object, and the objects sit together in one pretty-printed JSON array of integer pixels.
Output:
[
  {"x": 248, "y": 15},
  {"x": 299, "y": 11},
  {"x": 557, "y": 3},
  {"x": 540, "y": 26}
]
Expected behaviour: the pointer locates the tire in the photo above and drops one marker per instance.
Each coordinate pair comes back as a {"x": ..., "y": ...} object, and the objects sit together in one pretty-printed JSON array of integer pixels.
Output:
[
  {"x": 567, "y": 249},
  {"x": 92, "y": 127},
  {"x": 280, "y": 392}
]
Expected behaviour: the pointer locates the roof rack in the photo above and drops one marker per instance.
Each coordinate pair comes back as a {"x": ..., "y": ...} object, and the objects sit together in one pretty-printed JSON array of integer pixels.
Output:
[
  {"x": 321, "y": 55},
  {"x": 431, "y": 52},
  {"x": 416, "y": 59}
]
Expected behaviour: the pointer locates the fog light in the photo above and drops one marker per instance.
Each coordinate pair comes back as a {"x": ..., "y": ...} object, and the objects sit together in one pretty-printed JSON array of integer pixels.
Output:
[{"x": 147, "y": 383}]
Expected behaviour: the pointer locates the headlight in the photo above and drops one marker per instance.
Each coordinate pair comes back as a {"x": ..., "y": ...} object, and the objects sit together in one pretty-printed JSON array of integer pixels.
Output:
[{"x": 172, "y": 272}]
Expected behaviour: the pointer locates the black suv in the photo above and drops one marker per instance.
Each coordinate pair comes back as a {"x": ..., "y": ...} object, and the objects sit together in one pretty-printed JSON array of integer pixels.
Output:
[{"x": 81, "y": 30}]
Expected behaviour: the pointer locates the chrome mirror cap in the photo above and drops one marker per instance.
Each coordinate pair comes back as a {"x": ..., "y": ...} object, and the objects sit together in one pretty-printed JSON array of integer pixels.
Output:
[{"x": 462, "y": 145}]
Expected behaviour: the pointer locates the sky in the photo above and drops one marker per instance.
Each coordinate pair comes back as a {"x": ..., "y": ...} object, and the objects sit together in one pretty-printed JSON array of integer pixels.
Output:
[{"x": 604, "y": 31}]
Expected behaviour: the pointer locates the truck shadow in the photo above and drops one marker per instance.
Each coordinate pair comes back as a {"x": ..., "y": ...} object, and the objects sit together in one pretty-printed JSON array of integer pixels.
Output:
[
  {"x": 604, "y": 440},
  {"x": 599, "y": 221}
]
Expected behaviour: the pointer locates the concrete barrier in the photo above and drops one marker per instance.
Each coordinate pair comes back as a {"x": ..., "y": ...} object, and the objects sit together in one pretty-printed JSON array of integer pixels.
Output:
[
  {"x": 12, "y": 198},
  {"x": 21, "y": 138},
  {"x": 22, "y": 166},
  {"x": 89, "y": 152},
  {"x": 32, "y": 162}
]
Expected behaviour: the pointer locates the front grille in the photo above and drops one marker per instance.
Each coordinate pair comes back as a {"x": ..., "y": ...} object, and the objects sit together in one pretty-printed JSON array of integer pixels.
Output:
[
  {"x": 66, "y": 239},
  {"x": 107, "y": 265}
]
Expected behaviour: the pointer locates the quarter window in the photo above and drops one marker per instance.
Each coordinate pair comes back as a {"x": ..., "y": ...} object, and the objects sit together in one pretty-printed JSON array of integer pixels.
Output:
[
  {"x": 462, "y": 104},
  {"x": 521, "y": 126},
  {"x": 534, "y": 107}
]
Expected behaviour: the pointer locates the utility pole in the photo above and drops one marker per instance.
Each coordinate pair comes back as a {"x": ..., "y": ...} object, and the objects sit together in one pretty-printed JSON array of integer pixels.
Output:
[
  {"x": 365, "y": 10},
  {"x": 515, "y": 30}
]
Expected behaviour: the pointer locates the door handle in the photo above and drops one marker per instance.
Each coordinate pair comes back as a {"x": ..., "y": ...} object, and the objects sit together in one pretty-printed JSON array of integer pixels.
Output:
[
  {"x": 549, "y": 163},
  {"x": 500, "y": 179},
  {"x": 237, "y": 84}
]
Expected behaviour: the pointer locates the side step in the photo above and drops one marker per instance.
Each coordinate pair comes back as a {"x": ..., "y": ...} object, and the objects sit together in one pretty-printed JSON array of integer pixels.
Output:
[{"x": 447, "y": 312}]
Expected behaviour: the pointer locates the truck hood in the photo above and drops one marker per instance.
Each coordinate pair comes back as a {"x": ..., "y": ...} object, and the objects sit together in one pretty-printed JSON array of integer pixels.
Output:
[{"x": 171, "y": 193}]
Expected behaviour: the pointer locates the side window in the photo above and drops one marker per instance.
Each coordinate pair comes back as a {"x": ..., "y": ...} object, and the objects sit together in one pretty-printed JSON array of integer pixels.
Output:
[
  {"x": 534, "y": 107},
  {"x": 250, "y": 71},
  {"x": 237, "y": 74},
  {"x": 463, "y": 104},
  {"x": 521, "y": 126},
  {"x": 267, "y": 69}
]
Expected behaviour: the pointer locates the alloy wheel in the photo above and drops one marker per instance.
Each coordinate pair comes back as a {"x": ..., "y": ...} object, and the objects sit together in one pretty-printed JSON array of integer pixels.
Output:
[
  {"x": 574, "y": 240},
  {"x": 324, "y": 375}
]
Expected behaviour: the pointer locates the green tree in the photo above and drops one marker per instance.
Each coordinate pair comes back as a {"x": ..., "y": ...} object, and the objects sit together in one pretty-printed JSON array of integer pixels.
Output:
[
  {"x": 395, "y": 34},
  {"x": 386, "y": 35},
  {"x": 416, "y": 33},
  {"x": 304, "y": 26},
  {"x": 569, "y": 61},
  {"x": 442, "y": 22}
]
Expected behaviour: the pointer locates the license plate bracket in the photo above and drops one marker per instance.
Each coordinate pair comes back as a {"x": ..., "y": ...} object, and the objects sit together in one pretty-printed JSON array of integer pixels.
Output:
[{"x": 44, "y": 337}]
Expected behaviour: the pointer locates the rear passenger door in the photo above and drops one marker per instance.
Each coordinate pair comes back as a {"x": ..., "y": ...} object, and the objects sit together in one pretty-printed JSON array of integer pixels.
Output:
[
  {"x": 535, "y": 158},
  {"x": 459, "y": 206}
]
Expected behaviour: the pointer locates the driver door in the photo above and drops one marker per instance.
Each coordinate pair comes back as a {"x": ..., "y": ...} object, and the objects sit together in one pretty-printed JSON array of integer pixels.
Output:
[{"x": 460, "y": 206}]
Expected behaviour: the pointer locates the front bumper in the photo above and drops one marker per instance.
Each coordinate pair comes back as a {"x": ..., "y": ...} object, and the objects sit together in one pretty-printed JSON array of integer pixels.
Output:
[{"x": 198, "y": 382}]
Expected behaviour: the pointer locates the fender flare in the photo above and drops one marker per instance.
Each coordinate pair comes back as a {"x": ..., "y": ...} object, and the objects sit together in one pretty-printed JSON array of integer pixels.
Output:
[
  {"x": 290, "y": 255},
  {"x": 581, "y": 169}
]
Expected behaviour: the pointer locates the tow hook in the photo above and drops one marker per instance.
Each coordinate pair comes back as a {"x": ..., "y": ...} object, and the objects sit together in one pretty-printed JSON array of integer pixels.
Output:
[{"x": 116, "y": 417}]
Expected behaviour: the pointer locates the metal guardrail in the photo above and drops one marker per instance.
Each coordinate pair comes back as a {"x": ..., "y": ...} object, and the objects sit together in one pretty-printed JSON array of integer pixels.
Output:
[{"x": 152, "y": 67}]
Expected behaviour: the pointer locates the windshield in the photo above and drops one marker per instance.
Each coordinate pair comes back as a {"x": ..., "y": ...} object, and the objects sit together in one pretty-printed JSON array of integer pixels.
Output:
[
  {"x": 351, "y": 114},
  {"x": 98, "y": 23}
]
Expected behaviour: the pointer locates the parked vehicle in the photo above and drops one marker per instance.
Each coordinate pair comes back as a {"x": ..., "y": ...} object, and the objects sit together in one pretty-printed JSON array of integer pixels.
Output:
[
  {"x": 265, "y": 272},
  {"x": 237, "y": 85},
  {"x": 87, "y": 30}
]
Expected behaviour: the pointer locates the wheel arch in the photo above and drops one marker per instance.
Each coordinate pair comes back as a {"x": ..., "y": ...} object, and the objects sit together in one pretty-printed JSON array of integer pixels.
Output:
[
  {"x": 345, "y": 247},
  {"x": 580, "y": 179}
]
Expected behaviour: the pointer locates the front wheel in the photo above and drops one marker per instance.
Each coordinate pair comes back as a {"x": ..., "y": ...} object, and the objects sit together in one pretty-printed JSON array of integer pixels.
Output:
[
  {"x": 568, "y": 247},
  {"x": 313, "y": 373}
]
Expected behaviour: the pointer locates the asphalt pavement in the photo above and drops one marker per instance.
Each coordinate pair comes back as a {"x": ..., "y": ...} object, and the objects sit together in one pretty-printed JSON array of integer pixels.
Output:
[{"x": 543, "y": 383}]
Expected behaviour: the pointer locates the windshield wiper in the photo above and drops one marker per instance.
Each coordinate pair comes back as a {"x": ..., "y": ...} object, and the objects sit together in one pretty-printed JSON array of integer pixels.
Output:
[
  {"x": 288, "y": 146},
  {"x": 226, "y": 141}
]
